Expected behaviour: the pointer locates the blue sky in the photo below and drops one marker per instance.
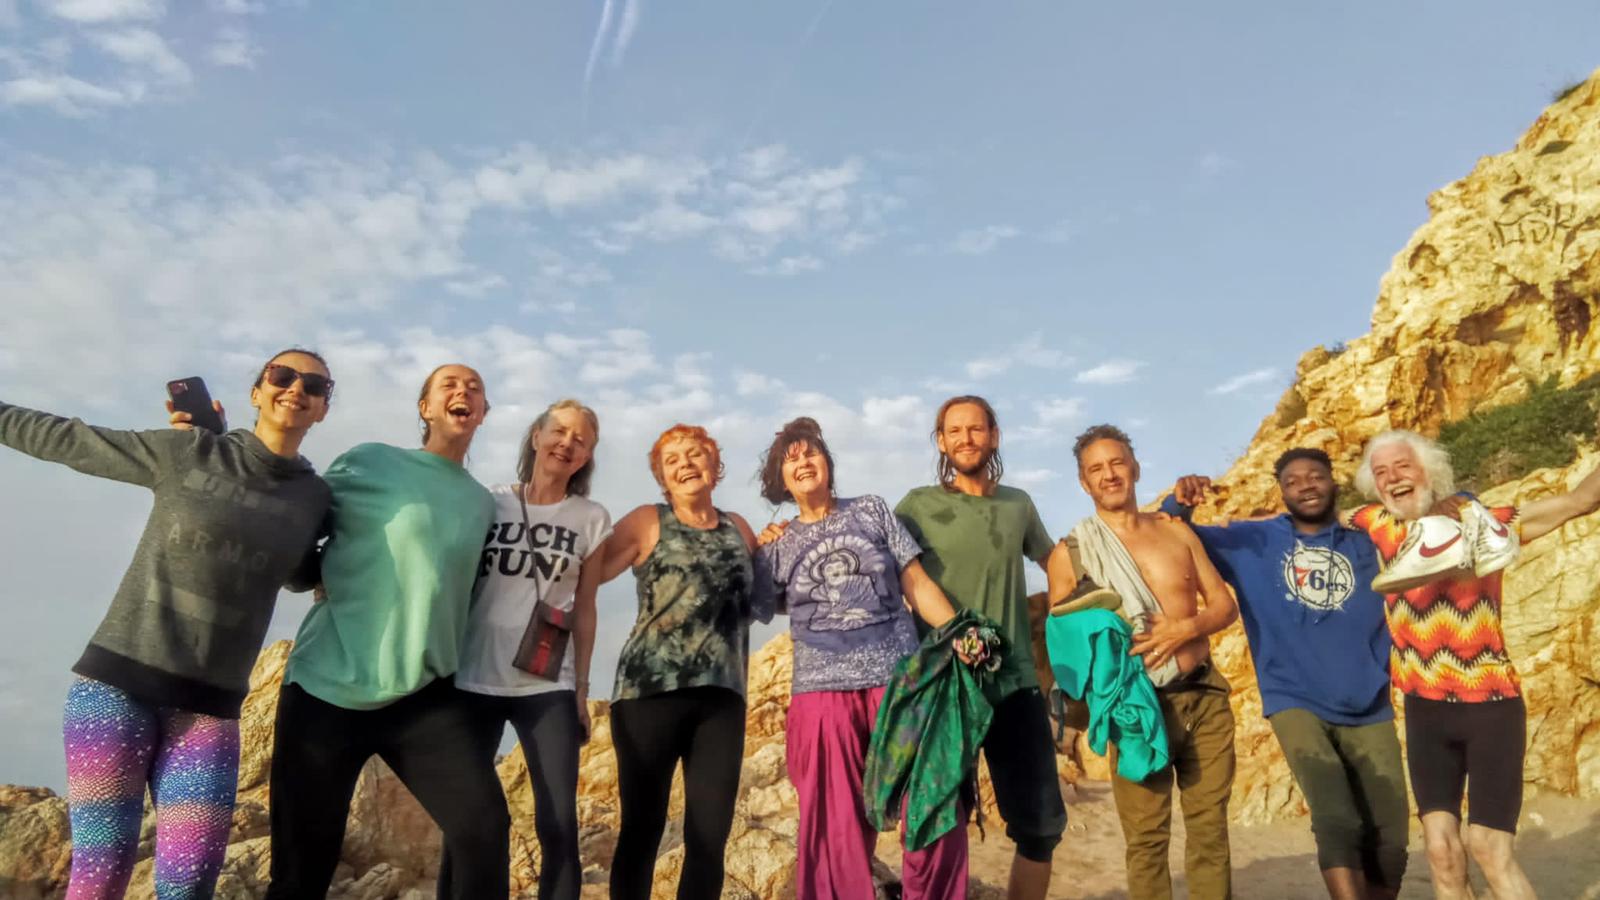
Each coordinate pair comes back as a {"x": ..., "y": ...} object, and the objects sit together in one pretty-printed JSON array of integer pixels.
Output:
[{"x": 721, "y": 213}]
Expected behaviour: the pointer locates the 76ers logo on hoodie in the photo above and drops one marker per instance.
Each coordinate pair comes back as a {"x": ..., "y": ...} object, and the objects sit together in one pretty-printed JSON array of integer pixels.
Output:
[{"x": 1318, "y": 577}]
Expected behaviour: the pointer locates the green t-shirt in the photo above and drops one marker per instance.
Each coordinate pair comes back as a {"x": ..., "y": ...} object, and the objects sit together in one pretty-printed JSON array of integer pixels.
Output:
[
  {"x": 407, "y": 529},
  {"x": 977, "y": 550}
]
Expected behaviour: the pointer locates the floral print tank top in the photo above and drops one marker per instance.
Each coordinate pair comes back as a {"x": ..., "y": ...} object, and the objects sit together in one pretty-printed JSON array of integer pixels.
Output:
[{"x": 693, "y": 628}]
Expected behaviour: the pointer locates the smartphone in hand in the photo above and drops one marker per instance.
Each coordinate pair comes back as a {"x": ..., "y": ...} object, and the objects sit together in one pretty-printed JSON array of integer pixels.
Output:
[{"x": 190, "y": 395}]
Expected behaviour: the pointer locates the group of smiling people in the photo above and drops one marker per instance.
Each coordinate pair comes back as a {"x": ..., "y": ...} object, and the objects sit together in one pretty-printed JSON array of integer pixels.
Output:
[
  {"x": 446, "y": 610},
  {"x": 417, "y": 649}
]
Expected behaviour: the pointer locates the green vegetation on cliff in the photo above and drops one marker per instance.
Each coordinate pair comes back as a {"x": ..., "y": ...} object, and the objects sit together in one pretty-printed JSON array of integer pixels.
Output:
[{"x": 1497, "y": 445}]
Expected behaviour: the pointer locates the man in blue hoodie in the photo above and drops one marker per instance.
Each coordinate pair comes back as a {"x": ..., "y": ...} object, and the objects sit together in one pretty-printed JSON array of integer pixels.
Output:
[{"x": 1321, "y": 650}]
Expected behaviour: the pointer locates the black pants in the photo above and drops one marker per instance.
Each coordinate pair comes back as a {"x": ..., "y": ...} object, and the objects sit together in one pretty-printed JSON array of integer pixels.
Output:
[
  {"x": 1453, "y": 746},
  {"x": 430, "y": 741},
  {"x": 1022, "y": 768},
  {"x": 548, "y": 729},
  {"x": 704, "y": 727}
]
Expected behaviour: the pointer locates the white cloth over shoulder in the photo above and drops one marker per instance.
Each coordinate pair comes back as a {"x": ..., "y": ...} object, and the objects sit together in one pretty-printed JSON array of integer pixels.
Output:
[{"x": 1108, "y": 562}]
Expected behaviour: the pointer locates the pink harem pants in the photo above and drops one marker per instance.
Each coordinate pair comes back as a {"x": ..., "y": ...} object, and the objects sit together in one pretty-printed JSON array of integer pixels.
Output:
[{"x": 827, "y": 756}]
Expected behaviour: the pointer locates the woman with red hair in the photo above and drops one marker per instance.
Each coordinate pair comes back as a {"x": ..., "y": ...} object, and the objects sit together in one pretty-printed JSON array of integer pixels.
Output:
[{"x": 680, "y": 687}]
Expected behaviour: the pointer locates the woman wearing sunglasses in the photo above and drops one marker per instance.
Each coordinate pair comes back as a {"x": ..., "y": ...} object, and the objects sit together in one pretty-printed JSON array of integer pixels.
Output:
[
  {"x": 156, "y": 702},
  {"x": 531, "y": 634},
  {"x": 370, "y": 673}
]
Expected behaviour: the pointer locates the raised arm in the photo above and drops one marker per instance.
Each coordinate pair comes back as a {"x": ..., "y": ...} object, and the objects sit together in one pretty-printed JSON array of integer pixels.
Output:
[
  {"x": 1540, "y": 517},
  {"x": 134, "y": 457}
]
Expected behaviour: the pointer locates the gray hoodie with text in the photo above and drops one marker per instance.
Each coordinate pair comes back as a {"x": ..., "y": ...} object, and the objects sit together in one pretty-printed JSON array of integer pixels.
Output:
[{"x": 232, "y": 523}]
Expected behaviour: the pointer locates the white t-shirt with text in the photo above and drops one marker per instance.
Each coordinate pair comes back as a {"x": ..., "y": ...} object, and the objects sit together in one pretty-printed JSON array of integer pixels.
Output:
[{"x": 564, "y": 536}]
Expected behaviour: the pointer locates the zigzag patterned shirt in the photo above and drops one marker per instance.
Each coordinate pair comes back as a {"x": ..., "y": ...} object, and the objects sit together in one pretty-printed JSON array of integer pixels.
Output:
[{"x": 1447, "y": 639}]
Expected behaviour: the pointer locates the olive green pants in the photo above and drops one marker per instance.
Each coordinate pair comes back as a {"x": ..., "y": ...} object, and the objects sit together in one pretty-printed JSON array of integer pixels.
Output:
[
  {"x": 1355, "y": 785},
  {"x": 1199, "y": 725}
]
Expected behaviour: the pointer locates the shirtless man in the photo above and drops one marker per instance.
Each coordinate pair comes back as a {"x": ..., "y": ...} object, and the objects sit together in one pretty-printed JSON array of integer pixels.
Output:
[{"x": 1194, "y": 705}]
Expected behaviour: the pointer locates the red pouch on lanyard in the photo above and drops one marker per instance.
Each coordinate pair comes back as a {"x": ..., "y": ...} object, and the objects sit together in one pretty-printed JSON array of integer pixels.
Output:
[{"x": 544, "y": 641}]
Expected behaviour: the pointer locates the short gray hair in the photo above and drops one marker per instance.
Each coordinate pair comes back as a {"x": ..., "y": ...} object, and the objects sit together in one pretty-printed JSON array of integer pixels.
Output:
[{"x": 1435, "y": 462}]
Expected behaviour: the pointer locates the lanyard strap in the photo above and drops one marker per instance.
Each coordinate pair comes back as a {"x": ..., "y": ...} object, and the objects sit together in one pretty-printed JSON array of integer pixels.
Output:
[{"x": 533, "y": 555}]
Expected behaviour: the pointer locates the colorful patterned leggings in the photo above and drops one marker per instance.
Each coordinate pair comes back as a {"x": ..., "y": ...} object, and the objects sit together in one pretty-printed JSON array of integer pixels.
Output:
[{"x": 115, "y": 745}]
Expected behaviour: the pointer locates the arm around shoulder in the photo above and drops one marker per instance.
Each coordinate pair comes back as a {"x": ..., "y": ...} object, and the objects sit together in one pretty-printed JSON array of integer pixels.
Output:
[
  {"x": 631, "y": 541},
  {"x": 744, "y": 531},
  {"x": 1059, "y": 574}
]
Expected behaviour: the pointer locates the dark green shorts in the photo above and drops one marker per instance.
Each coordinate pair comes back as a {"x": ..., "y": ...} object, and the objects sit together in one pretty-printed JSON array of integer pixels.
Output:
[{"x": 1355, "y": 784}]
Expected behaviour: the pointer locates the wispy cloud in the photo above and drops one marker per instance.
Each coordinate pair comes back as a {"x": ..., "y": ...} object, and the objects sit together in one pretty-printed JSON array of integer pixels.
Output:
[
  {"x": 62, "y": 93},
  {"x": 476, "y": 287},
  {"x": 143, "y": 48},
  {"x": 978, "y": 241},
  {"x": 1115, "y": 371},
  {"x": 616, "y": 38},
  {"x": 625, "y": 30},
  {"x": 1031, "y": 477},
  {"x": 1239, "y": 382},
  {"x": 233, "y": 48},
  {"x": 1030, "y": 352},
  {"x": 747, "y": 384},
  {"x": 1059, "y": 410},
  {"x": 790, "y": 266},
  {"x": 1211, "y": 164},
  {"x": 99, "y": 12}
]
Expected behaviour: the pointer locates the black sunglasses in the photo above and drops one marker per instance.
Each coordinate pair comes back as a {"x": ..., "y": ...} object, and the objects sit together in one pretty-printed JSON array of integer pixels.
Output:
[{"x": 280, "y": 376}]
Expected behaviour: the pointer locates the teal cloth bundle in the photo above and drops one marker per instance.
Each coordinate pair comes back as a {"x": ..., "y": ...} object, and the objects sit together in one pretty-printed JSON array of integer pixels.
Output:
[{"x": 1089, "y": 655}]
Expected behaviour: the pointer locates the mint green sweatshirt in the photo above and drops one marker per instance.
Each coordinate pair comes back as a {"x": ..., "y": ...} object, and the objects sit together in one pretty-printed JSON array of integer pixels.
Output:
[{"x": 407, "y": 529}]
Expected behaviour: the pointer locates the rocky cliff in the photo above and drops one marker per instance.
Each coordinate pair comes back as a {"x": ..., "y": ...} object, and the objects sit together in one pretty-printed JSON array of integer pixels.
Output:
[{"x": 1500, "y": 287}]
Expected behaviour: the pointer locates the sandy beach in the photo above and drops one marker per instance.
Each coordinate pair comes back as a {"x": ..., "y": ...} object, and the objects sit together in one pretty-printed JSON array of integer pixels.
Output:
[{"x": 1558, "y": 842}]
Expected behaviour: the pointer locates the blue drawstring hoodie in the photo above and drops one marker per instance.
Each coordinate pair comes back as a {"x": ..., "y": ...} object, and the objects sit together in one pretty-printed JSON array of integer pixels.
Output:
[{"x": 1316, "y": 628}]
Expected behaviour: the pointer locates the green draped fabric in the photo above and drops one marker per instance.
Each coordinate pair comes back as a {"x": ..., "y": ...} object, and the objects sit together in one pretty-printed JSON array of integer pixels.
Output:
[{"x": 934, "y": 715}]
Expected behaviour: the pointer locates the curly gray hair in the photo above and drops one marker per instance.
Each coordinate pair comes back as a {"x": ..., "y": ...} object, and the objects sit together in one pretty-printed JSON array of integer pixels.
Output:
[{"x": 1435, "y": 462}]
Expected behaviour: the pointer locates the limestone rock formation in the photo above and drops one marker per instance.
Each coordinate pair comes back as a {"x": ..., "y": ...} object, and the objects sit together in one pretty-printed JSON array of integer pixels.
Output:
[
  {"x": 1498, "y": 289},
  {"x": 34, "y": 835}
]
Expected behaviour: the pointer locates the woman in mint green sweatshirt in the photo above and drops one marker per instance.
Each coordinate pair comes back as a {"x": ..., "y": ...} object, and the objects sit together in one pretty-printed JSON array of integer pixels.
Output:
[
  {"x": 370, "y": 673},
  {"x": 156, "y": 702}
]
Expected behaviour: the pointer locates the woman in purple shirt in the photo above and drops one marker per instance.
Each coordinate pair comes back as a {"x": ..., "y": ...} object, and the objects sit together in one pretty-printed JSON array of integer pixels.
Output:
[{"x": 839, "y": 570}]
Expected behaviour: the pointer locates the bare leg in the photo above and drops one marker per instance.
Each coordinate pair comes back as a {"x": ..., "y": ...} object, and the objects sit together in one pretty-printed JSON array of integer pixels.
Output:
[
  {"x": 1447, "y": 857},
  {"x": 1345, "y": 883},
  {"x": 1029, "y": 880},
  {"x": 1492, "y": 848}
]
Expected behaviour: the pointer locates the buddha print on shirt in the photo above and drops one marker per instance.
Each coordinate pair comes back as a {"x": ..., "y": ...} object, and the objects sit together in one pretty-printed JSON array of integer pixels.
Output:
[{"x": 839, "y": 579}]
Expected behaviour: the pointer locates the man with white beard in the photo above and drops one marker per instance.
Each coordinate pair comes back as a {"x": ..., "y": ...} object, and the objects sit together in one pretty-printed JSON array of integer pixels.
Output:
[{"x": 1464, "y": 715}]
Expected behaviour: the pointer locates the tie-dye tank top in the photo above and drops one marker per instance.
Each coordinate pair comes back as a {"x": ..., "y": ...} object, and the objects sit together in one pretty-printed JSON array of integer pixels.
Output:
[{"x": 693, "y": 628}]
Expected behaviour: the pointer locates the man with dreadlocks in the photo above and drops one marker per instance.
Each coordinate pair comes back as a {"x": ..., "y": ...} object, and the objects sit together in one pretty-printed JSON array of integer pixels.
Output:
[
  {"x": 1465, "y": 720},
  {"x": 1321, "y": 652},
  {"x": 975, "y": 534}
]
